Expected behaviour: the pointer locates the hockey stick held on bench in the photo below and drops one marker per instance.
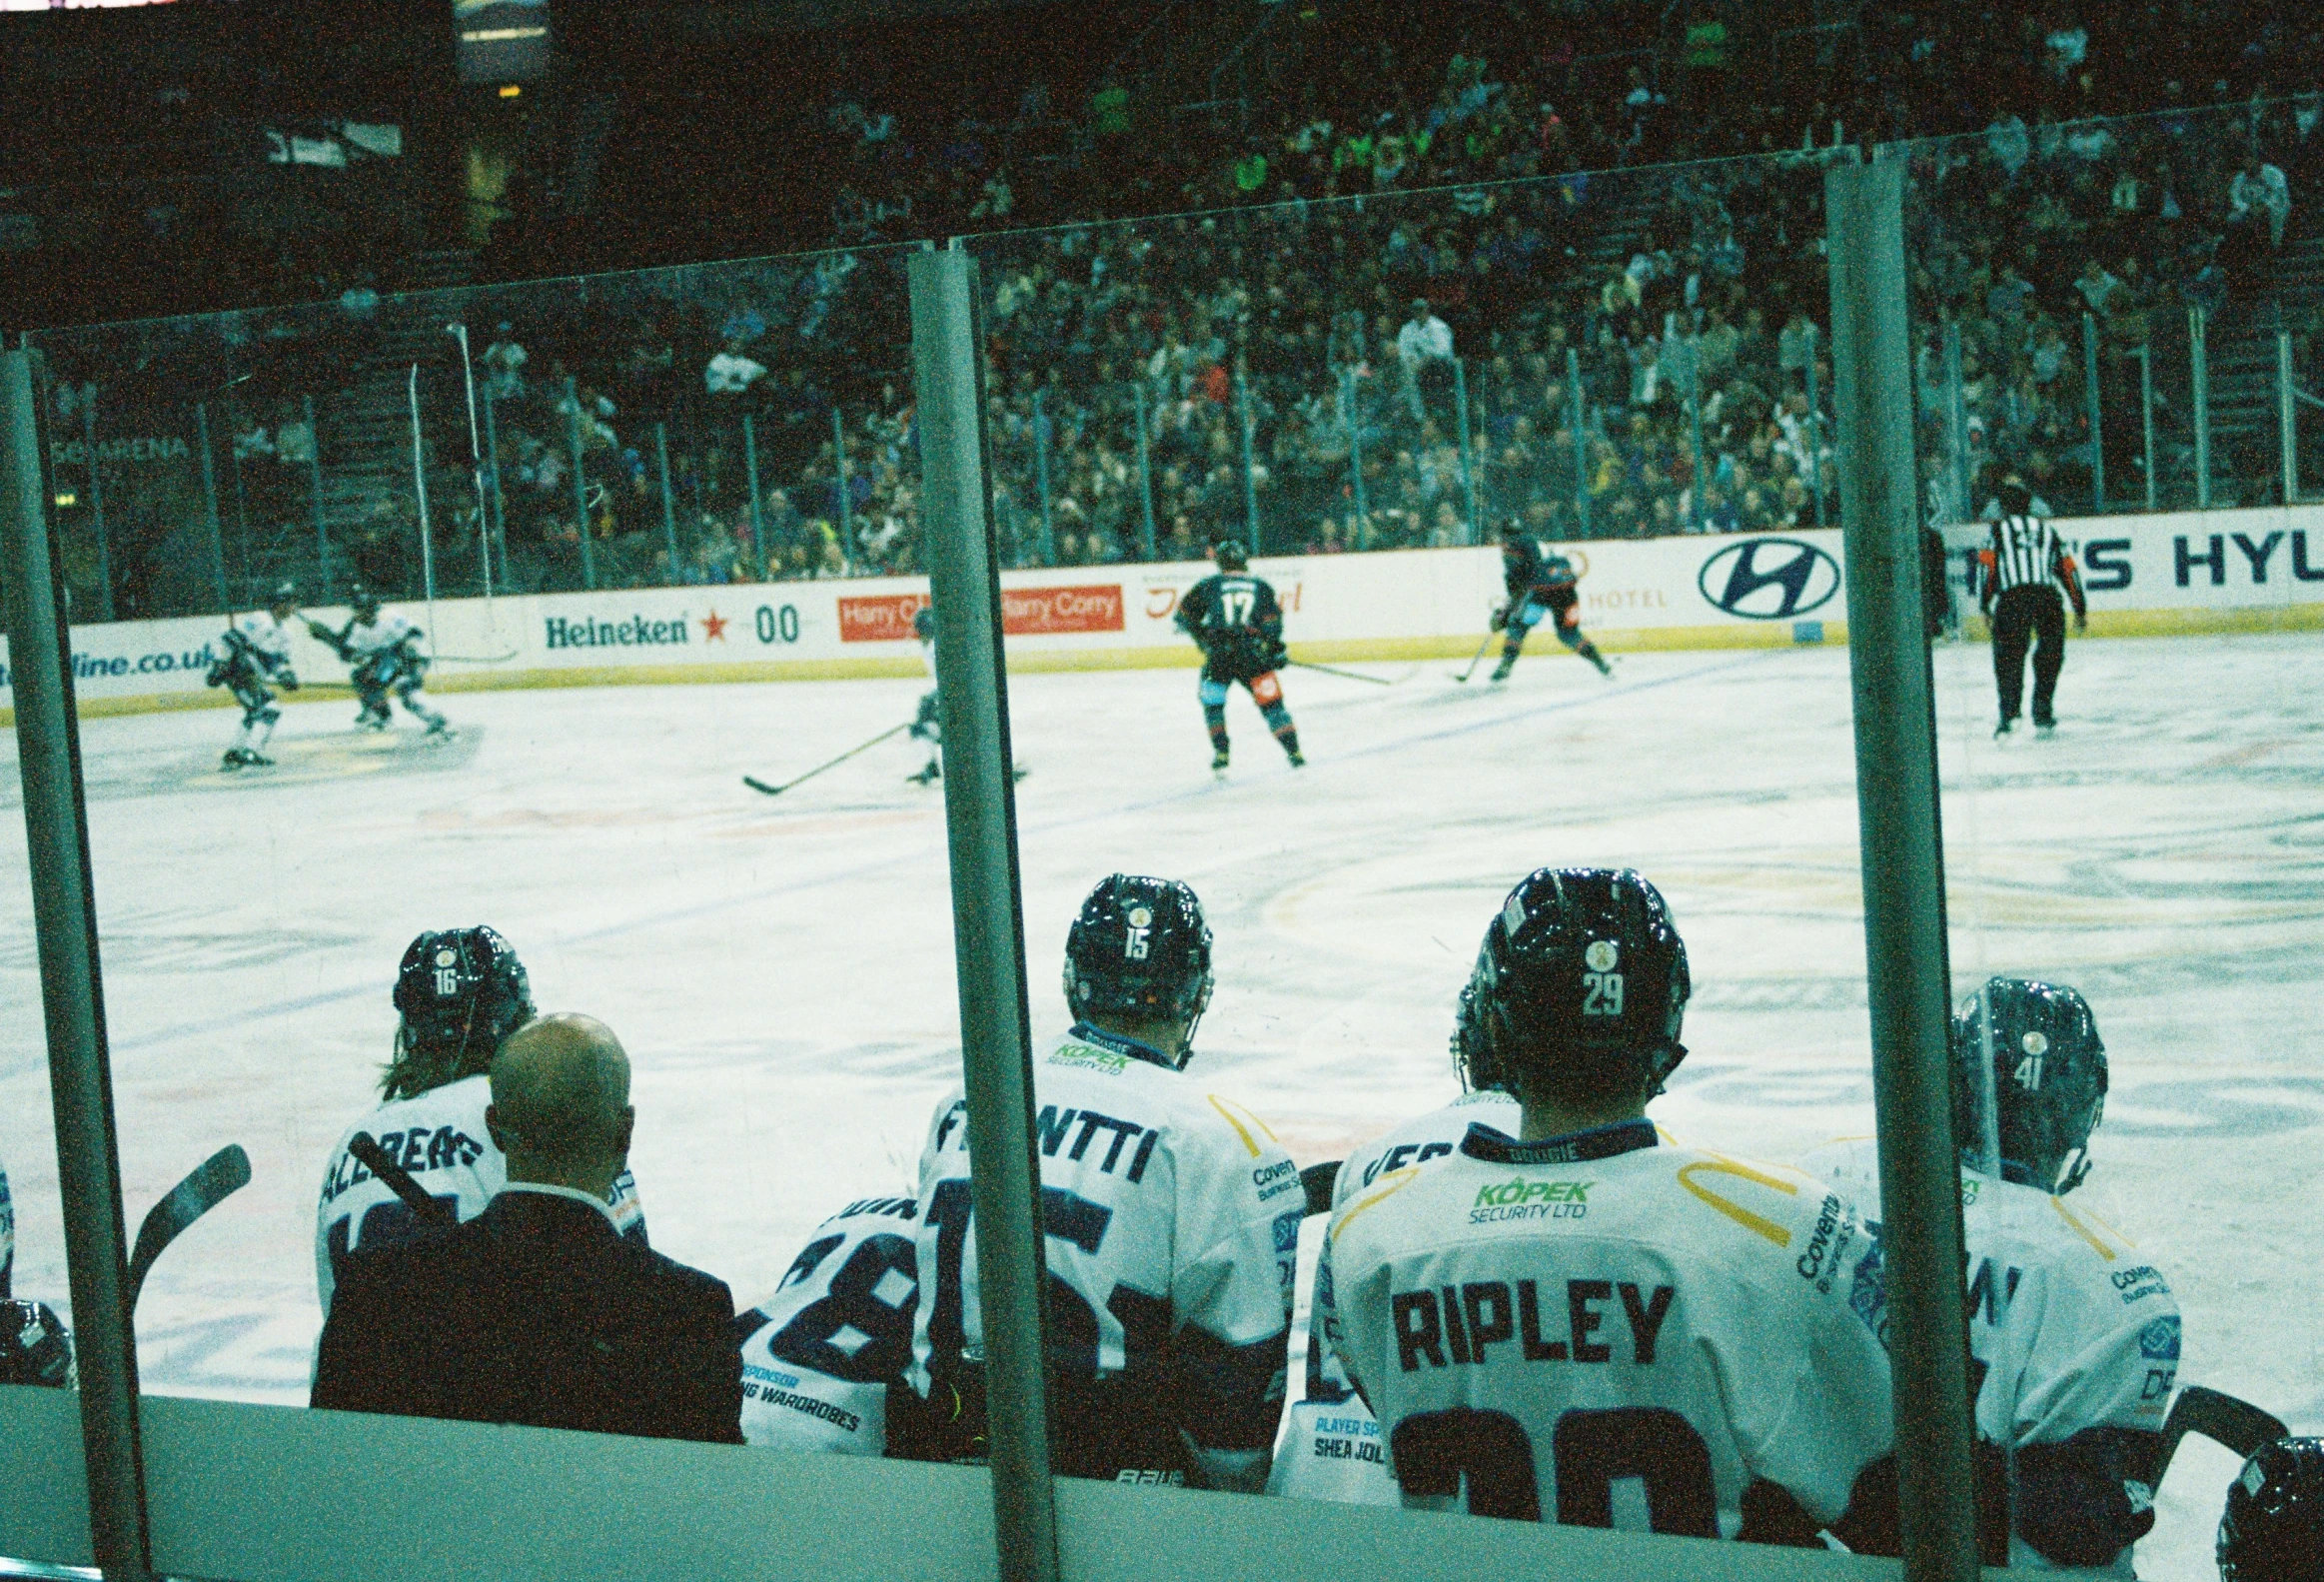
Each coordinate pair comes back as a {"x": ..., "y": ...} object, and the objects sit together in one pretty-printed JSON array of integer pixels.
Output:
[
  {"x": 367, "y": 1153},
  {"x": 217, "y": 1178},
  {"x": 2239, "y": 1425}
]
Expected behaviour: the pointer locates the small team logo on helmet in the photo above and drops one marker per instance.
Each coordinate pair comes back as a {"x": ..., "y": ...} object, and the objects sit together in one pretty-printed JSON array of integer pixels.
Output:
[
  {"x": 1602, "y": 956},
  {"x": 1140, "y": 917},
  {"x": 2035, "y": 1043},
  {"x": 445, "y": 958}
]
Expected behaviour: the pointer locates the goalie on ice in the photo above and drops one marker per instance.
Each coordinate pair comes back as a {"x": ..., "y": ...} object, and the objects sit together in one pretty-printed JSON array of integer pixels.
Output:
[{"x": 382, "y": 654}]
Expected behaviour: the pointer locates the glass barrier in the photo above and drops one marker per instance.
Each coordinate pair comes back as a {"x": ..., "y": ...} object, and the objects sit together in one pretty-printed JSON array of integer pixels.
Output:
[{"x": 746, "y": 881}]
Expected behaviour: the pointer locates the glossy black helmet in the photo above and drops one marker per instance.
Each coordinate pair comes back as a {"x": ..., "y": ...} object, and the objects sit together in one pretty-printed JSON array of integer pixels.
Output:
[
  {"x": 1230, "y": 556},
  {"x": 364, "y": 602},
  {"x": 2049, "y": 1081},
  {"x": 35, "y": 1347},
  {"x": 459, "y": 992},
  {"x": 1140, "y": 951},
  {"x": 1579, "y": 987},
  {"x": 2273, "y": 1529}
]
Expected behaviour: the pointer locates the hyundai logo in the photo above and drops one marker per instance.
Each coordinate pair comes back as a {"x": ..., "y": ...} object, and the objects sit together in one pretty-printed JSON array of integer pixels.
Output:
[{"x": 1768, "y": 579}]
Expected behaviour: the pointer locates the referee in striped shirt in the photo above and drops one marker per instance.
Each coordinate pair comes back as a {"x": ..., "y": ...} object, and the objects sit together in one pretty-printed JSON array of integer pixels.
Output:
[{"x": 2024, "y": 567}]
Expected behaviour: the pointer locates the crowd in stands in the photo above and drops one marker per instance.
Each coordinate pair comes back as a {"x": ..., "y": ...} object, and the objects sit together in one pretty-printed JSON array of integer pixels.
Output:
[{"x": 1639, "y": 345}]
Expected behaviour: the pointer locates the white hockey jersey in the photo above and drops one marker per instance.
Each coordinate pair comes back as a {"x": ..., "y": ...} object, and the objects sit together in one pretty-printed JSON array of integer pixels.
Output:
[
  {"x": 2069, "y": 1330},
  {"x": 439, "y": 1137},
  {"x": 1172, "y": 1217},
  {"x": 267, "y": 639},
  {"x": 1602, "y": 1331},
  {"x": 366, "y": 639},
  {"x": 819, "y": 1354},
  {"x": 1330, "y": 1447}
]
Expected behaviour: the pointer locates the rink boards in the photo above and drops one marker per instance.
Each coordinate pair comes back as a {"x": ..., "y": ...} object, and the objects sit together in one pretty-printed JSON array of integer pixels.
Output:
[{"x": 2146, "y": 576}]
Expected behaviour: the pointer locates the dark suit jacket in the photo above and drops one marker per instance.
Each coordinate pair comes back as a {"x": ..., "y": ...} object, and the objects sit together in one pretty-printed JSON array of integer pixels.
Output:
[{"x": 537, "y": 1313}]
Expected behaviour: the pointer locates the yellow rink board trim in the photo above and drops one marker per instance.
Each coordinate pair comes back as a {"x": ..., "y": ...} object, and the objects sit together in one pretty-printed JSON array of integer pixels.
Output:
[{"x": 1638, "y": 640}]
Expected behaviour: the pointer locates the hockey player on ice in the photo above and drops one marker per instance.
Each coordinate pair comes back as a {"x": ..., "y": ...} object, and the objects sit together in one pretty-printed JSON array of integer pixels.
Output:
[
  {"x": 1577, "y": 1323},
  {"x": 1236, "y": 621},
  {"x": 258, "y": 651},
  {"x": 819, "y": 1355},
  {"x": 1172, "y": 1217},
  {"x": 384, "y": 659},
  {"x": 928, "y": 724},
  {"x": 1332, "y": 1449},
  {"x": 2075, "y": 1338},
  {"x": 1540, "y": 582},
  {"x": 458, "y": 993}
]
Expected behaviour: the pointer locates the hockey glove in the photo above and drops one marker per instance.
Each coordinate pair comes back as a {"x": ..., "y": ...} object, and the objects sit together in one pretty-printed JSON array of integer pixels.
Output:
[
  {"x": 1499, "y": 619},
  {"x": 287, "y": 679},
  {"x": 1278, "y": 657},
  {"x": 215, "y": 675}
]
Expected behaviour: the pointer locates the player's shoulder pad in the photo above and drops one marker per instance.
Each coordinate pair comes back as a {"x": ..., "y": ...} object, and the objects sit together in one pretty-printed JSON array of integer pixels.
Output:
[
  {"x": 1236, "y": 1139},
  {"x": 1775, "y": 1203},
  {"x": 2085, "y": 1260}
]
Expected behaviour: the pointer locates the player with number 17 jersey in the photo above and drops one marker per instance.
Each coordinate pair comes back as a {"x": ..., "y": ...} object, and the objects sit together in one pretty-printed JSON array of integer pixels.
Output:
[{"x": 819, "y": 1355}]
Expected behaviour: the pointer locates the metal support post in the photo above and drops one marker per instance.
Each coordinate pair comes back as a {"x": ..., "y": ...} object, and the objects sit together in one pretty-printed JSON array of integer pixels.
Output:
[
  {"x": 581, "y": 487},
  {"x": 1814, "y": 460},
  {"x": 1047, "y": 547},
  {"x": 1903, "y": 871},
  {"x": 2147, "y": 417},
  {"x": 1358, "y": 530},
  {"x": 1580, "y": 438},
  {"x": 1957, "y": 423},
  {"x": 2097, "y": 416},
  {"x": 420, "y": 490},
  {"x": 500, "y": 497},
  {"x": 97, "y": 501},
  {"x": 668, "y": 511},
  {"x": 64, "y": 915},
  {"x": 315, "y": 497},
  {"x": 1250, "y": 476},
  {"x": 1699, "y": 516},
  {"x": 758, "y": 501},
  {"x": 987, "y": 906},
  {"x": 1467, "y": 466},
  {"x": 839, "y": 478},
  {"x": 2287, "y": 419},
  {"x": 210, "y": 504},
  {"x": 1145, "y": 480},
  {"x": 2199, "y": 367}
]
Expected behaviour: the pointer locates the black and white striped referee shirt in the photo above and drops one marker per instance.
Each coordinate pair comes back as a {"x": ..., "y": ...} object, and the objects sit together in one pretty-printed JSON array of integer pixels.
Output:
[{"x": 2026, "y": 552}]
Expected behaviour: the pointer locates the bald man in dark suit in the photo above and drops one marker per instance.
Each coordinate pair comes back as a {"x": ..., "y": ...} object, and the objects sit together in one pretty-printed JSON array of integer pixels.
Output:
[{"x": 537, "y": 1312}]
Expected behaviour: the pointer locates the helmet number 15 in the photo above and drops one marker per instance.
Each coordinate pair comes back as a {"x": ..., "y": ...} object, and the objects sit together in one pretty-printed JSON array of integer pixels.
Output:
[{"x": 1602, "y": 993}]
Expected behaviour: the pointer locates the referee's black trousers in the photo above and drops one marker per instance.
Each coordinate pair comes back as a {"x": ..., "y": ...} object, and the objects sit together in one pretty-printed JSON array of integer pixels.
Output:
[{"x": 2023, "y": 616}]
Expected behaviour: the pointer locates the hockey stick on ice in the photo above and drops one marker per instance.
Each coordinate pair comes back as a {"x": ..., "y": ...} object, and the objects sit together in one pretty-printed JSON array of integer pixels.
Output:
[
  {"x": 217, "y": 1178},
  {"x": 1349, "y": 676},
  {"x": 398, "y": 1180},
  {"x": 776, "y": 791},
  {"x": 2239, "y": 1425},
  {"x": 1463, "y": 677}
]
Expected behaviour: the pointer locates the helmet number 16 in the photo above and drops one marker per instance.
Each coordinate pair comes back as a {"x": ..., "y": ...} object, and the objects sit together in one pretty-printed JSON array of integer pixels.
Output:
[
  {"x": 1602, "y": 993},
  {"x": 447, "y": 981}
]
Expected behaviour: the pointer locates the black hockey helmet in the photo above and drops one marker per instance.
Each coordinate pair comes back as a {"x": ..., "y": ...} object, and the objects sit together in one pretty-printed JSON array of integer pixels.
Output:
[
  {"x": 1580, "y": 987},
  {"x": 2017, "y": 499},
  {"x": 924, "y": 623},
  {"x": 1140, "y": 950},
  {"x": 364, "y": 602},
  {"x": 2273, "y": 1529},
  {"x": 460, "y": 991},
  {"x": 1230, "y": 556},
  {"x": 35, "y": 1346},
  {"x": 282, "y": 599},
  {"x": 2049, "y": 1081}
]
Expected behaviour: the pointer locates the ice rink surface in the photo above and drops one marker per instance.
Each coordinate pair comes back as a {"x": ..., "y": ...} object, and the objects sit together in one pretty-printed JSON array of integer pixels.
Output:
[{"x": 780, "y": 970}]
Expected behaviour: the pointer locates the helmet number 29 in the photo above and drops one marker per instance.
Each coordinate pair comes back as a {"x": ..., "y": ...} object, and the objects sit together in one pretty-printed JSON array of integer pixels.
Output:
[{"x": 1602, "y": 993}]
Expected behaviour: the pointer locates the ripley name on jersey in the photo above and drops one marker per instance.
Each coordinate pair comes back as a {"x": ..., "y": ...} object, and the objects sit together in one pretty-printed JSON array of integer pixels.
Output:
[
  {"x": 819, "y": 1354},
  {"x": 1604, "y": 1331},
  {"x": 439, "y": 1137},
  {"x": 2074, "y": 1341},
  {"x": 1330, "y": 1447},
  {"x": 1172, "y": 1217}
]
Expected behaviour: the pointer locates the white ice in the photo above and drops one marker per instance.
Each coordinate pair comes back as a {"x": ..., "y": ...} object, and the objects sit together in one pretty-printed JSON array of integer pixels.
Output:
[{"x": 781, "y": 969}]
